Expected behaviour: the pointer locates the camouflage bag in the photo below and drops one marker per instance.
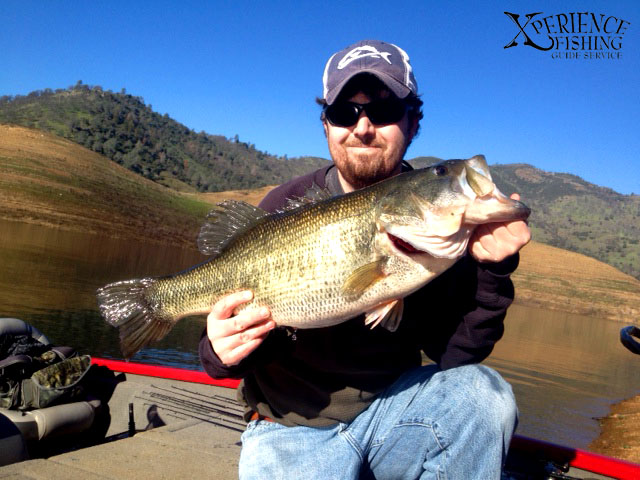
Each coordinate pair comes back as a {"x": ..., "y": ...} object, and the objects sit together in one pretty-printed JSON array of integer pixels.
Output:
[
  {"x": 55, "y": 384},
  {"x": 53, "y": 377}
]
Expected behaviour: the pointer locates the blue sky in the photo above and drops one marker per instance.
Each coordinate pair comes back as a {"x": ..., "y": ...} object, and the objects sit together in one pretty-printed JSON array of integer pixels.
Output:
[{"x": 254, "y": 69}]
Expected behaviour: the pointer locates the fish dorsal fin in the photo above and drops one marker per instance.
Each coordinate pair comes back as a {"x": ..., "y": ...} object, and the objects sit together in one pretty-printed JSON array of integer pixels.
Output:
[
  {"x": 226, "y": 220},
  {"x": 313, "y": 194}
]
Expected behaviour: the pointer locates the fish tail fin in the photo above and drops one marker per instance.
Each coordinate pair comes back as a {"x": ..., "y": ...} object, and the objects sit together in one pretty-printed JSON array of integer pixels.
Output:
[{"x": 126, "y": 306}]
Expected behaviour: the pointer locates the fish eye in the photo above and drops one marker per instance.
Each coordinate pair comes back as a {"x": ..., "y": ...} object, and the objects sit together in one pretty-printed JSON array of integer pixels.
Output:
[{"x": 440, "y": 170}]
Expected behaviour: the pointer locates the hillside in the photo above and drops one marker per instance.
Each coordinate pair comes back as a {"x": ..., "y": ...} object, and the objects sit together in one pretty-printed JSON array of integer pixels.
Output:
[
  {"x": 51, "y": 181},
  {"x": 557, "y": 279},
  {"x": 576, "y": 215},
  {"x": 47, "y": 180},
  {"x": 126, "y": 130}
]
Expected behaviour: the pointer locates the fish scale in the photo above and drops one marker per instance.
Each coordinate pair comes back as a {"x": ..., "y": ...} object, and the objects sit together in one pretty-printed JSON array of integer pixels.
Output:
[{"x": 325, "y": 261}]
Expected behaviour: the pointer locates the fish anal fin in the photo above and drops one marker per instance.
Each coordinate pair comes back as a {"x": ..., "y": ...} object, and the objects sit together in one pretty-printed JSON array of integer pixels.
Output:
[
  {"x": 387, "y": 315},
  {"x": 225, "y": 221},
  {"x": 365, "y": 277}
]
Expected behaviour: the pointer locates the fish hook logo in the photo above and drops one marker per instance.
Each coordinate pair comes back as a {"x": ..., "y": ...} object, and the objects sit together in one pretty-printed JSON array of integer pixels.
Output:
[
  {"x": 361, "y": 52},
  {"x": 515, "y": 18}
]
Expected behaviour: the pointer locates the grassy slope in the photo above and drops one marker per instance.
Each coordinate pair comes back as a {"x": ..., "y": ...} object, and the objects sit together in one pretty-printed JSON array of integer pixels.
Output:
[
  {"x": 48, "y": 180},
  {"x": 557, "y": 279},
  {"x": 45, "y": 179}
]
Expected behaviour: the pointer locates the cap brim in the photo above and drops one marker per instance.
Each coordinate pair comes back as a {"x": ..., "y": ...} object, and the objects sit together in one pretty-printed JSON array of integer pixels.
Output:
[{"x": 400, "y": 90}]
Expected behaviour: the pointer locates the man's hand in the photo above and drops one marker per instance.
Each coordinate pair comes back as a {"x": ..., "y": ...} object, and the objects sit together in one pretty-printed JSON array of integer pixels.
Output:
[
  {"x": 233, "y": 337},
  {"x": 493, "y": 242}
]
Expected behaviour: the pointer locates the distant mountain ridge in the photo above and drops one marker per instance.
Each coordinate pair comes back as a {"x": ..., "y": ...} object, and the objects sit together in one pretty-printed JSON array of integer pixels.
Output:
[
  {"x": 568, "y": 212},
  {"x": 126, "y": 130}
]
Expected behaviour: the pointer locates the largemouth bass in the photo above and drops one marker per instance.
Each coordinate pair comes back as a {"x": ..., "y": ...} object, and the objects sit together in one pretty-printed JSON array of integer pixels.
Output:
[{"x": 326, "y": 260}]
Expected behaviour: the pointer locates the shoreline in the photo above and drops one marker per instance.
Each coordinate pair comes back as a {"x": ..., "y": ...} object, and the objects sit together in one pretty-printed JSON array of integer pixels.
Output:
[{"x": 620, "y": 431}]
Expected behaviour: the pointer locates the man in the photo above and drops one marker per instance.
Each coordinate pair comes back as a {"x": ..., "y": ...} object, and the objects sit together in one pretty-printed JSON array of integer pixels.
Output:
[{"x": 350, "y": 402}]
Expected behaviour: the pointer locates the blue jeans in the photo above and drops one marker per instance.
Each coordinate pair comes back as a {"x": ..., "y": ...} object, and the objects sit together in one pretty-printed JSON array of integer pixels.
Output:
[{"x": 454, "y": 424}]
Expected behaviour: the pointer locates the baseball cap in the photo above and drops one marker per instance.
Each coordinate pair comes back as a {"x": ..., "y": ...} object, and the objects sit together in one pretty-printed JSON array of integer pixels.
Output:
[{"x": 386, "y": 61}]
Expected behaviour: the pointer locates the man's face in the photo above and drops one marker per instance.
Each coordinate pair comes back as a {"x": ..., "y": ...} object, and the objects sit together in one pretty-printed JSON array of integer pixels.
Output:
[{"x": 366, "y": 153}]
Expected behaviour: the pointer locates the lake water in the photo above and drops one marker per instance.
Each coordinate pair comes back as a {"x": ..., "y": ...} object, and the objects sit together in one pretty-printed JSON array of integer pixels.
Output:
[{"x": 566, "y": 370}]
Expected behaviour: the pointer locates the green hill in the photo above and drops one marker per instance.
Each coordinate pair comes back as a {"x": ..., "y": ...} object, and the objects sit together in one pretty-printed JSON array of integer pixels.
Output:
[{"x": 126, "y": 130}]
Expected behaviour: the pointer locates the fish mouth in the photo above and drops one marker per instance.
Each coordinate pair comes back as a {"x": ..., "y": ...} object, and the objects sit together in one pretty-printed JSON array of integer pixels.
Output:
[
  {"x": 495, "y": 209},
  {"x": 403, "y": 246},
  {"x": 450, "y": 246},
  {"x": 489, "y": 204}
]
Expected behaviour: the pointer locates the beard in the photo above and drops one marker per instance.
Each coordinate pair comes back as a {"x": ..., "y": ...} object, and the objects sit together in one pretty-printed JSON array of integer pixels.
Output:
[{"x": 364, "y": 169}]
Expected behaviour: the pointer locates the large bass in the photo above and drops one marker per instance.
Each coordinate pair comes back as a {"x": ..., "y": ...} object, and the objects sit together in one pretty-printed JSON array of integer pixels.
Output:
[{"x": 324, "y": 261}]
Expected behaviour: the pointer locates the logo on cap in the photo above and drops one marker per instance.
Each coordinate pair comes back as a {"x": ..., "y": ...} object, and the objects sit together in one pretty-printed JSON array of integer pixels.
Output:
[{"x": 362, "y": 52}]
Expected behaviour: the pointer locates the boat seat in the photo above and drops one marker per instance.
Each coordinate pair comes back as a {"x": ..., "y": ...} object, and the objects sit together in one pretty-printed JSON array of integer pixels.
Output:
[
  {"x": 12, "y": 446},
  {"x": 21, "y": 430},
  {"x": 44, "y": 423},
  {"x": 15, "y": 326}
]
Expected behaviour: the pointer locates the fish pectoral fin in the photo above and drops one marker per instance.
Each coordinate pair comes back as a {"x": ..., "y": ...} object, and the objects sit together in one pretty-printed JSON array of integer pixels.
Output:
[
  {"x": 364, "y": 277},
  {"x": 387, "y": 315}
]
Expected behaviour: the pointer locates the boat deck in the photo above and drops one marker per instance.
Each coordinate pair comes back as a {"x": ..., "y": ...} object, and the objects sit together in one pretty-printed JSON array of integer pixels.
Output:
[
  {"x": 192, "y": 430},
  {"x": 190, "y": 449},
  {"x": 189, "y": 431}
]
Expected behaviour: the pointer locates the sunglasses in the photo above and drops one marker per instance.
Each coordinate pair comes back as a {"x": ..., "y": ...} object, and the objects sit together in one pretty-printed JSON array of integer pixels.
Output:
[{"x": 379, "y": 112}]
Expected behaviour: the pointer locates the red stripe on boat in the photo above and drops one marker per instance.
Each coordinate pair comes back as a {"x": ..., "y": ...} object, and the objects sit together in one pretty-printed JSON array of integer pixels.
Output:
[
  {"x": 165, "y": 372},
  {"x": 591, "y": 462}
]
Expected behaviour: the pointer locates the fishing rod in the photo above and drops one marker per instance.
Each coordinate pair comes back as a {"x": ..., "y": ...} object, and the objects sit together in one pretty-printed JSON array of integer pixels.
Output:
[
  {"x": 230, "y": 401},
  {"x": 205, "y": 397},
  {"x": 191, "y": 406},
  {"x": 200, "y": 402},
  {"x": 208, "y": 419}
]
